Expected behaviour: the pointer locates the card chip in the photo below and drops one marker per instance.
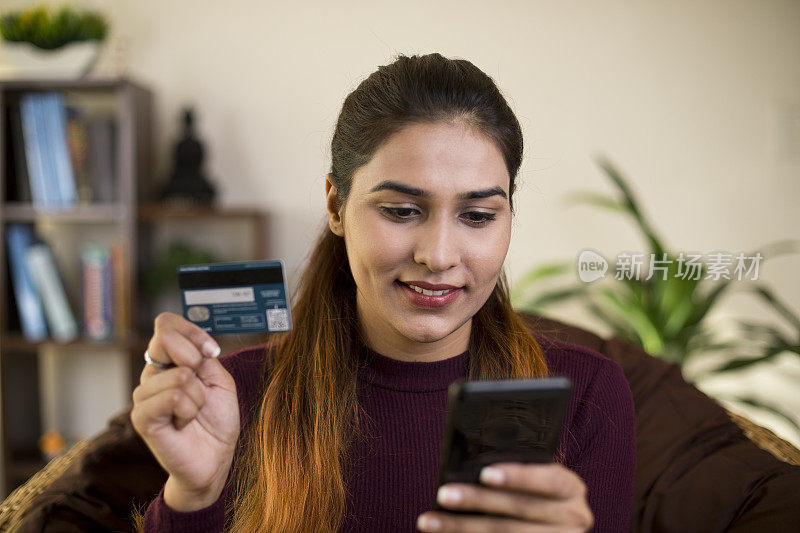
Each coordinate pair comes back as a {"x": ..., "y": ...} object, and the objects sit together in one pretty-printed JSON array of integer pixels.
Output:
[{"x": 277, "y": 320}]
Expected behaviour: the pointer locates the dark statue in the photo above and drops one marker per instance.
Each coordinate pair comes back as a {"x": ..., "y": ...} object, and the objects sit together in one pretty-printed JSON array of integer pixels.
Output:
[{"x": 188, "y": 185}]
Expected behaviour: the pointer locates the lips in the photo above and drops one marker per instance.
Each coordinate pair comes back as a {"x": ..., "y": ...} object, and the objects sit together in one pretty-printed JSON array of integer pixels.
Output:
[
  {"x": 419, "y": 294},
  {"x": 430, "y": 286}
]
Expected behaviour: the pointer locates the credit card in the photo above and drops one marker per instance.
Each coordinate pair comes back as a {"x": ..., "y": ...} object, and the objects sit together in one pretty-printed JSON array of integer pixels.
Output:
[{"x": 238, "y": 297}]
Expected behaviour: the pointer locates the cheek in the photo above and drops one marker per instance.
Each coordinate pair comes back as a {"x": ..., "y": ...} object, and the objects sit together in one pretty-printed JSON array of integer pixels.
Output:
[
  {"x": 487, "y": 258},
  {"x": 374, "y": 248}
]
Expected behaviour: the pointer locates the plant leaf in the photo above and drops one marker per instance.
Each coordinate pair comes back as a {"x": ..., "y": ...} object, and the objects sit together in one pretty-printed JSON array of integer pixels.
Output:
[
  {"x": 717, "y": 346},
  {"x": 549, "y": 298},
  {"x": 772, "y": 334},
  {"x": 632, "y": 204},
  {"x": 706, "y": 303},
  {"x": 778, "y": 248},
  {"x": 777, "y": 304},
  {"x": 620, "y": 329},
  {"x": 743, "y": 362},
  {"x": 595, "y": 199},
  {"x": 650, "y": 337},
  {"x": 539, "y": 273}
]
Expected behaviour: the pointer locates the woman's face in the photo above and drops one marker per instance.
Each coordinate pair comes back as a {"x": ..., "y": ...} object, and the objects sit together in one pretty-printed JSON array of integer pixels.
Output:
[{"x": 430, "y": 212}]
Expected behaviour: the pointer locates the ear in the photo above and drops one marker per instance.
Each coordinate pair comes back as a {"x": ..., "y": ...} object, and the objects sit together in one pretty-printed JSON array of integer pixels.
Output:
[{"x": 333, "y": 207}]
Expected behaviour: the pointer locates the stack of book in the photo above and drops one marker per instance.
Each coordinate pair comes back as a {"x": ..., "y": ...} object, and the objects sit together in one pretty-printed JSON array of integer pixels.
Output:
[
  {"x": 41, "y": 300},
  {"x": 60, "y": 157}
]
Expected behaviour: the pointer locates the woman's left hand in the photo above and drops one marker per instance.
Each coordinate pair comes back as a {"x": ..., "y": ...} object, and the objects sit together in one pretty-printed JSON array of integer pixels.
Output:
[{"x": 528, "y": 497}]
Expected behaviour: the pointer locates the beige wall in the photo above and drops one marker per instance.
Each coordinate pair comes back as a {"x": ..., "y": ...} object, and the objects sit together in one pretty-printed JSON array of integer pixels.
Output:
[{"x": 698, "y": 102}]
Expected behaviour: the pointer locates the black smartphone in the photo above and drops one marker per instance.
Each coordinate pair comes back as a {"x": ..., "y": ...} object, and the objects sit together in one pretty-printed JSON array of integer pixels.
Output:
[{"x": 492, "y": 421}]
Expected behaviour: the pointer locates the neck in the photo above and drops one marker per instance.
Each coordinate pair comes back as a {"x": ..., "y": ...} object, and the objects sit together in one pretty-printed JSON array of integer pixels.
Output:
[{"x": 400, "y": 347}]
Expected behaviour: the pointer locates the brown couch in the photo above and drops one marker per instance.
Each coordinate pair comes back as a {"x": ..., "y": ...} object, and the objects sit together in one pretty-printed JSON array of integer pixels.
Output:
[{"x": 696, "y": 469}]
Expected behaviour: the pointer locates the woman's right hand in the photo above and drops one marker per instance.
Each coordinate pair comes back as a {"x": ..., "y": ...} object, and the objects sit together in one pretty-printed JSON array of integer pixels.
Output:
[{"x": 187, "y": 415}]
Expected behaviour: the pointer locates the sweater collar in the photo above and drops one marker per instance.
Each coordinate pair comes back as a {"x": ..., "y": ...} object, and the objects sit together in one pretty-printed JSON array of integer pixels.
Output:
[{"x": 394, "y": 374}]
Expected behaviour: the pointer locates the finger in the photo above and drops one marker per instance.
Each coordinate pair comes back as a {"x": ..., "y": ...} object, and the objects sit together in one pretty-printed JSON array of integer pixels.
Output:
[
  {"x": 148, "y": 372},
  {"x": 514, "y": 504},
  {"x": 170, "y": 346},
  {"x": 171, "y": 405},
  {"x": 204, "y": 343},
  {"x": 180, "y": 377},
  {"x": 450, "y": 523},
  {"x": 212, "y": 373},
  {"x": 552, "y": 480}
]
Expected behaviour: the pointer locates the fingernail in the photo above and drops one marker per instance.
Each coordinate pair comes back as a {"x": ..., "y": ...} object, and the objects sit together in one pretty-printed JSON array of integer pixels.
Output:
[
  {"x": 211, "y": 349},
  {"x": 492, "y": 476},
  {"x": 429, "y": 523},
  {"x": 449, "y": 496}
]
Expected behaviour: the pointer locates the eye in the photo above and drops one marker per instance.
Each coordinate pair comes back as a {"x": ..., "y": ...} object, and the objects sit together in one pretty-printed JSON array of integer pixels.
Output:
[
  {"x": 478, "y": 218},
  {"x": 399, "y": 213}
]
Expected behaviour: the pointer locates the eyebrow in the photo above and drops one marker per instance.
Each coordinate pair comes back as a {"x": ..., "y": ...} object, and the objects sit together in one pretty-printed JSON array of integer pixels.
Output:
[{"x": 414, "y": 191}]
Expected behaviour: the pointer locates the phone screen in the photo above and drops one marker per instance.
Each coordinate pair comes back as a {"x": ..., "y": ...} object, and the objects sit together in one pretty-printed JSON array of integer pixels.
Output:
[{"x": 516, "y": 420}]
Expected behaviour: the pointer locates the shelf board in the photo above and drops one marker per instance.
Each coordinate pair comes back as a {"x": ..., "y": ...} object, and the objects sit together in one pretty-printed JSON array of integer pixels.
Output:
[
  {"x": 150, "y": 212},
  {"x": 100, "y": 83},
  {"x": 25, "y": 212},
  {"x": 16, "y": 341}
]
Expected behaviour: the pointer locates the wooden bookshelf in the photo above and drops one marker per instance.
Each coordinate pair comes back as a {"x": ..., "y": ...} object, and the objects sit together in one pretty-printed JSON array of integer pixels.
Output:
[
  {"x": 132, "y": 221},
  {"x": 129, "y": 109}
]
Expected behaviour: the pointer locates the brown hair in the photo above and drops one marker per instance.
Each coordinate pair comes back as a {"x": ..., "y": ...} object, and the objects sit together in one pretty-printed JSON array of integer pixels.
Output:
[{"x": 288, "y": 474}]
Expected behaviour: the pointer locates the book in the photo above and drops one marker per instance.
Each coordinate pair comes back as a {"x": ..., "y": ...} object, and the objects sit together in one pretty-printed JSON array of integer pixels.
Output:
[
  {"x": 48, "y": 161},
  {"x": 121, "y": 284},
  {"x": 56, "y": 117},
  {"x": 18, "y": 167},
  {"x": 29, "y": 305},
  {"x": 60, "y": 319},
  {"x": 33, "y": 156},
  {"x": 77, "y": 138},
  {"x": 49, "y": 178},
  {"x": 97, "y": 292},
  {"x": 102, "y": 157}
]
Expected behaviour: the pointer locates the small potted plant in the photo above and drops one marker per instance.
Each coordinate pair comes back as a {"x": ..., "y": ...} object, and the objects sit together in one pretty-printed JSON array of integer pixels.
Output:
[{"x": 38, "y": 43}]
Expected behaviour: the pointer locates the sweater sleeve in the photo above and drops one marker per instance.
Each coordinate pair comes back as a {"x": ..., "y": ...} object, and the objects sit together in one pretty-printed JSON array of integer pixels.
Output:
[
  {"x": 607, "y": 459},
  {"x": 159, "y": 517}
]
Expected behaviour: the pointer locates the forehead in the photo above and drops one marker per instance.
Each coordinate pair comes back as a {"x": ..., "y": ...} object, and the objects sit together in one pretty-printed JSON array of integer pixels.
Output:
[{"x": 443, "y": 158}]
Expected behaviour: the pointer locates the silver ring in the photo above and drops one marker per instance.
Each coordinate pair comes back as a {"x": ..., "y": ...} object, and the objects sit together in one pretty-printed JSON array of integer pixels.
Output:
[{"x": 150, "y": 361}]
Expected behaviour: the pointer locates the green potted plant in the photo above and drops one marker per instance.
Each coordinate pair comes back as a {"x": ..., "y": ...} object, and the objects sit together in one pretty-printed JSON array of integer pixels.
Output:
[
  {"x": 160, "y": 278},
  {"x": 667, "y": 314},
  {"x": 40, "y": 43}
]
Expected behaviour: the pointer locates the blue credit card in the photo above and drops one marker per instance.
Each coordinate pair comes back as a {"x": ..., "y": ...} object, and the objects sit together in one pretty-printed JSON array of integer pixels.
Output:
[{"x": 238, "y": 297}]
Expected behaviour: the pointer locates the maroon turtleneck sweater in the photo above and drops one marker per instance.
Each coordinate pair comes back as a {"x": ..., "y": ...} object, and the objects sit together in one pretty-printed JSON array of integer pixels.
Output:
[{"x": 393, "y": 476}]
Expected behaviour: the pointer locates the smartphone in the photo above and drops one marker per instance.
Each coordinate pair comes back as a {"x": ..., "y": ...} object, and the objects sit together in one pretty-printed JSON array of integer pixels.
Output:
[{"x": 492, "y": 421}]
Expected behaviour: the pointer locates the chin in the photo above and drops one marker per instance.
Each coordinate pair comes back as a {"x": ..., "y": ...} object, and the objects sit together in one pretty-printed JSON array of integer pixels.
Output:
[{"x": 429, "y": 334}]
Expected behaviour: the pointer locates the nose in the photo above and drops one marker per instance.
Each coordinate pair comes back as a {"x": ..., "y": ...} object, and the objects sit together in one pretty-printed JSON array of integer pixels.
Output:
[{"x": 437, "y": 245}]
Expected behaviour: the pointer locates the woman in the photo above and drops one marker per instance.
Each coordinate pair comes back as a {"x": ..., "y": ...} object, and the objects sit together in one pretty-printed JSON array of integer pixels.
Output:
[{"x": 339, "y": 421}]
